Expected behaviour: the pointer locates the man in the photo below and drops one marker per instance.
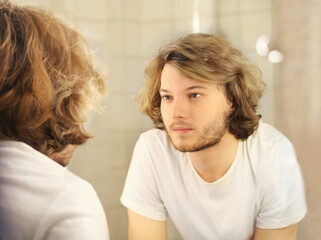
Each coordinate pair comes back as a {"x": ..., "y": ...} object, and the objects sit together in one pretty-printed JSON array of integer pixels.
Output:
[
  {"x": 212, "y": 165},
  {"x": 48, "y": 84}
]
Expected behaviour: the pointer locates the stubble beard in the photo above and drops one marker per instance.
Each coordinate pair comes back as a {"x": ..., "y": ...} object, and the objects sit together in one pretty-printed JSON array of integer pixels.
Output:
[{"x": 210, "y": 136}]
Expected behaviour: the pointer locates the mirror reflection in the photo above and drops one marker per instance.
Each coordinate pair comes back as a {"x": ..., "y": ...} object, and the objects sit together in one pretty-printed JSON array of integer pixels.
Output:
[{"x": 126, "y": 35}]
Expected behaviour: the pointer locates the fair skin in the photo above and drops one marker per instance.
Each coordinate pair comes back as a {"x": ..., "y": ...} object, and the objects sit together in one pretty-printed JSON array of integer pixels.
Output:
[{"x": 194, "y": 114}]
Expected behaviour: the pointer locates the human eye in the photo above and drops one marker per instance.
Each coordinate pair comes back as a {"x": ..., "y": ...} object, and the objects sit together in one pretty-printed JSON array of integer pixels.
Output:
[
  {"x": 194, "y": 95},
  {"x": 166, "y": 97}
]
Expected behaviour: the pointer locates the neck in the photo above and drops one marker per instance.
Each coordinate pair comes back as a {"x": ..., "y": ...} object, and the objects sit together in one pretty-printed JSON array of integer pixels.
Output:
[{"x": 213, "y": 162}]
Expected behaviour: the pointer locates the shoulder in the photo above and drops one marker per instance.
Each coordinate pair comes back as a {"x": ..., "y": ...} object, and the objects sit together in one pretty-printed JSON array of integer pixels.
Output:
[
  {"x": 24, "y": 168},
  {"x": 76, "y": 196},
  {"x": 267, "y": 135},
  {"x": 279, "y": 179},
  {"x": 271, "y": 154},
  {"x": 52, "y": 194},
  {"x": 75, "y": 213},
  {"x": 269, "y": 146}
]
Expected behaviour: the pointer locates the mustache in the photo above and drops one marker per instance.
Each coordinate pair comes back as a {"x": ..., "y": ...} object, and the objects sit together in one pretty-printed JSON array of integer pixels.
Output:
[{"x": 179, "y": 124}]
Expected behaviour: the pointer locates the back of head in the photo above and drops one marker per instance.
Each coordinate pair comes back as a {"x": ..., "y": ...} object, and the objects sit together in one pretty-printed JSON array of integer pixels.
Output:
[
  {"x": 206, "y": 57},
  {"x": 48, "y": 82}
]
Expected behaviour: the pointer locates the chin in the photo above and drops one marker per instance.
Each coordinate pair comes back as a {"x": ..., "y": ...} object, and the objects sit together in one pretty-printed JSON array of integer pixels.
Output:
[
  {"x": 183, "y": 148},
  {"x": 196, "y": 147}
]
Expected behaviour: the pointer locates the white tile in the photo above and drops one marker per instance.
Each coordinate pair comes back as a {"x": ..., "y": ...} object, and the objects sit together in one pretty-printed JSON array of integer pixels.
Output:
[
  {"x": 115, "y": 9},
  {"x": 104, "y": 38},
  {"x": 228, "y": 5},
  {"x": 133, "y": 75},
  {"x": 252, "y": 26},
  {"x": 140, "y": 120},
  {"x": 155, "y": 9},
  {"x": 38, "y": 3},
  {"x": 116, "y": 79},
  {"x": 255, "y": 4},
  {"x": 120, "y": 149},
  {"x": 115, "y": 37},
  {"x": 207, "y": 25},
  {"x": 207, "y": 7},
  {"x": 132, "y": 39},
  {"x": 122, "y": 113},
  {"x": 187, "y": 10},
  {"x": 155, "y": 36},
  {"x": 86, "y": 9},
  {"x": 230, "y": 28},
  {"x": 183, "y": 26},
  {"x": 63, "y": 9},
  {"x": 132, "y": 9},
  {"x": 117, "y": 115},
  {"x": 183, "y": 9},
  {"x": 85, "y": 165}
]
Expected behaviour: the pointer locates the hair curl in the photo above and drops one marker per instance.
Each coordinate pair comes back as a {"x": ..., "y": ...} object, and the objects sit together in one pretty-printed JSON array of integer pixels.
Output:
[
  {"x": 208, "y": 58},
  {"x": 48, "y": 82}
]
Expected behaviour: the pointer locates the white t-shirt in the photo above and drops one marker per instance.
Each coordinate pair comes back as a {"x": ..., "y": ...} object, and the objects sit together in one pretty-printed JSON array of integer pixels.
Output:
[
  {"x": 39, "y": 199},
  {"x": 263, "y": 187}
]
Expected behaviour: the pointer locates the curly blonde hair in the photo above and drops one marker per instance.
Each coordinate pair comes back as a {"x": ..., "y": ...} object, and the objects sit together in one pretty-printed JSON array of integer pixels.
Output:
[
  {"x": 210, "y": 58},
  {"x": 48, "y": 82}
]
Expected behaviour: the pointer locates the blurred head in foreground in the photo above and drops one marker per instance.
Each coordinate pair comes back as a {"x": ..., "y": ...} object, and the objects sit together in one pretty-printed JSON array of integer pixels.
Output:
[{"x": 48, "y": 81}]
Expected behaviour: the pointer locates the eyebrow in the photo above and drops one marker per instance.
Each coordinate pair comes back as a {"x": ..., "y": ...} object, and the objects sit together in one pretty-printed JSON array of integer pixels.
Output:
[
  {"x": 196, "y": 87},
  {"x": 187, "y": 89}
]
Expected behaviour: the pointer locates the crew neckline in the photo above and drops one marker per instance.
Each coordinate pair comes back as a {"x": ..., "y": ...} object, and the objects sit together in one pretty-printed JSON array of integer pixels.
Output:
[{"x": 226, "y": 175}]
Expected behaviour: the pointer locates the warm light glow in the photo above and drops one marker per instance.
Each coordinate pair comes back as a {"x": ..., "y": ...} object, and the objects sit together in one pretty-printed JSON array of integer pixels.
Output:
[
  {"x": 264, "y": 48},
  {"x": 275, "y": 56},
  {"x": 196, "y": 19},
  {"x": 262, "y": 45}
]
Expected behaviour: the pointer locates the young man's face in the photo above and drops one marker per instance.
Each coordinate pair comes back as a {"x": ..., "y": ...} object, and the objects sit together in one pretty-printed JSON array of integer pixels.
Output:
[{"x": 194, "y": 112}]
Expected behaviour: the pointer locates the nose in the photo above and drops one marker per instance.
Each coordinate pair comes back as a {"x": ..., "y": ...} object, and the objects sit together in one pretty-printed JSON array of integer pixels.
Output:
[{"x": 179, "y": 109}]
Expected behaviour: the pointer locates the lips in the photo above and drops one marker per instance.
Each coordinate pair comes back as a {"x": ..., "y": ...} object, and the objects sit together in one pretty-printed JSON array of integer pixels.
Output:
[{"x": 180, "y": 128}]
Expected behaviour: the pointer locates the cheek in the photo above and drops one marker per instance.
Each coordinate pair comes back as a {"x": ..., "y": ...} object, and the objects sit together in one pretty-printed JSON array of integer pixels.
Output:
[{"x": 165, "y": 115}]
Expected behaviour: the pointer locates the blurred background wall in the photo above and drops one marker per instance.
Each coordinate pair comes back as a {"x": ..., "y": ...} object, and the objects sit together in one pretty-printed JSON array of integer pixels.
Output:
[
  {"x": 298, "y": 95},
  {"x": 126, "y": 34}
]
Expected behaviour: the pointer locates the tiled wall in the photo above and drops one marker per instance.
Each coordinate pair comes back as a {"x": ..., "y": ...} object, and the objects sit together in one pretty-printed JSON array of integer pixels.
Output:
[{"x": 125, "y": 34}]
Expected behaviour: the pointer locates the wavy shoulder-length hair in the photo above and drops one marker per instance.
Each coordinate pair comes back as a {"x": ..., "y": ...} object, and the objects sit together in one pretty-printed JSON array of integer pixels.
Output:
[
  {"x": 210, "y": 58},
  {"x": 48, "y": 82}
]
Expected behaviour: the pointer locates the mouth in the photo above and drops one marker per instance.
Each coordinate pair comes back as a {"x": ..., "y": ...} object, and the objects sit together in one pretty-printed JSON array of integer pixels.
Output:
[{"x": 181, "y": 130}]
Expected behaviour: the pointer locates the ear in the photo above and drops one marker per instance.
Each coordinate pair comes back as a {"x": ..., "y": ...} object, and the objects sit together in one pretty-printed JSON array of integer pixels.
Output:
[
  {"x": 230, "y": 105},
  {"x": 232, "y": 108},
  {"x": 228, "y": 100}
]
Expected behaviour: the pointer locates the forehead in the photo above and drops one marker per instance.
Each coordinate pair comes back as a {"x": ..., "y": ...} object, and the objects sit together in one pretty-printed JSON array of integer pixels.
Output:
[{"x": 171, "y": 77}]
